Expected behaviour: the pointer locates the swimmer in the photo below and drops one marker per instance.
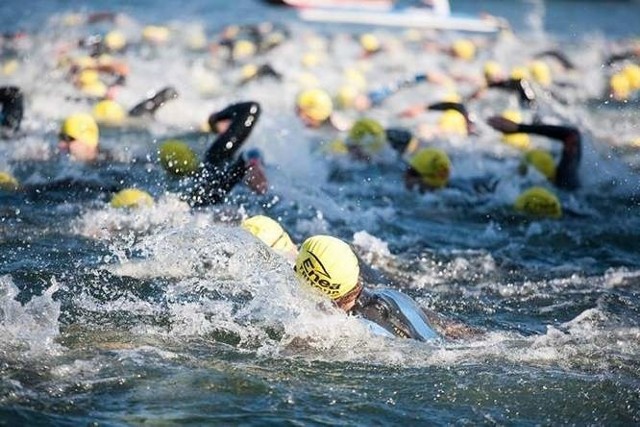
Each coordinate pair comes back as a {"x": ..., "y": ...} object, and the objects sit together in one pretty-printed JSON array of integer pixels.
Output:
[
  {"x": 224, "y": 166},
  {"x": 564, "y": 175},
  {"x": 109, "y": 112},
  {"x": 517, "y": 83},
  {"x": 329, "y": 265}
]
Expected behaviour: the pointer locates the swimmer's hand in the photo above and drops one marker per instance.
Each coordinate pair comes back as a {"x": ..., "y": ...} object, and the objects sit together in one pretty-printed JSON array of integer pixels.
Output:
[{"x": 503, "y": 125}]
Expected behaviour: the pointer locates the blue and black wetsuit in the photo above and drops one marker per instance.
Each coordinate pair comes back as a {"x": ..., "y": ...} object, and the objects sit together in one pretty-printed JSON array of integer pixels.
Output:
[
  {"x": 396, "y": 313},
  {"x": 223, "y": 167},
  {"x": 11, "y": 109}
]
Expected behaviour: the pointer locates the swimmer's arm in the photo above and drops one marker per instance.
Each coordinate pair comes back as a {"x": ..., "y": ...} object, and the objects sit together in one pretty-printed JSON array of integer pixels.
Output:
[
  {"x": 243, "y": 118},
  {"x": 570, "y": 137}
]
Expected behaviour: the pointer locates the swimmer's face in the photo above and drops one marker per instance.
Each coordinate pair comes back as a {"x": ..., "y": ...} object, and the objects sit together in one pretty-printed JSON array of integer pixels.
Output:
[{"x": 77, "y": 150}]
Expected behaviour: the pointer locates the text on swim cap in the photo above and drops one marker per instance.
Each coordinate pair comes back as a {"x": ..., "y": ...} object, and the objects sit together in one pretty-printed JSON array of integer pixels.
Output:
[{"x": 316, "y": 275}]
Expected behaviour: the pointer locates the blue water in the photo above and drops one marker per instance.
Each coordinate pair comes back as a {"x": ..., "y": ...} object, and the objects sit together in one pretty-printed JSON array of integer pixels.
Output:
[{"x": 168, "y": 316}]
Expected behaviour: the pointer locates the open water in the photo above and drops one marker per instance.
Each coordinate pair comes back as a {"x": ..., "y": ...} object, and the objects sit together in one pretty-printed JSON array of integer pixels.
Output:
[{"x": 168, "y": 316}]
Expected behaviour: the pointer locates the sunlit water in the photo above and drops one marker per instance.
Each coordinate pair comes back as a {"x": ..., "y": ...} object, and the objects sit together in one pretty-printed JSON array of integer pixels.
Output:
[{"x": 168, "y": 316}]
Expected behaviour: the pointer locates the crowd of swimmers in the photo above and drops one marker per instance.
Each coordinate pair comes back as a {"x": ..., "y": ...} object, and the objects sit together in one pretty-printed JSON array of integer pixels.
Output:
[{"x": 96, "y": 67}]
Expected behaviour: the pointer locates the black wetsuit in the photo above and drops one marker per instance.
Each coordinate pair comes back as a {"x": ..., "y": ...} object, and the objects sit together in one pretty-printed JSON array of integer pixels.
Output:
[
  {"x": 560, "y": 56},
  {"x": 525, "y": 93},
  {"x": 12, "y": 109},
  {"x": 567, "y": 168},
  {"x": 222, "y": 168},
  {"x": 151, "y": 105}
]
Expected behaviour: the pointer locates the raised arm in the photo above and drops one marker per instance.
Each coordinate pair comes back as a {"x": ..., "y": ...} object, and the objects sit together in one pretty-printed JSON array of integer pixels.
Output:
[{"x": 241, "y": 117}]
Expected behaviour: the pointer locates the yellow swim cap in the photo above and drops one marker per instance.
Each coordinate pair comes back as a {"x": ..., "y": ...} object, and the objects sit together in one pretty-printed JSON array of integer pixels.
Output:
[
  {"x": 96, "y": 89},
  {"x": 243, "y": 49},
  {"x": 8, "y": 182},
  {"x": 632, "y": 71},
  {"x": 368, "y": 135},
  {"x": 453, "y": 122},
  {"x": 328, "y": 264},
  {"x": 155, "y": 34},
  {"x": 310, "y": 59},
  {"x": 315, "y": 103},
  {"x": 109, "y": 112},
  {"x": 270, "y": 232},
  {"x": 433, "y": 165},
  {"x": 131, "y": 198},
  {"x": 541, "y": 73},
  {"x": 249, "y": 71},
  {"x": 518, "y": 140},
  {"x": 369, "y": 42},
  {"x": 177, "y": 158},
  {"x": 620, "y": 86},
  {"x": 82, "y": 128},
  {"x": 10, "y": 67},
  {"x": 542, "y": 161},
  {"x": 538, "y": 202},
  {"x": 492, "y": 70},
  {"x": 519, "y": 73},
  {"x": 355, "y": 78},
  {"x": 464, "y": 49},
  {"x": 346, "y": 96},
  {"x": 115, "y": 40},
  {"x": 87, "y": 77}
]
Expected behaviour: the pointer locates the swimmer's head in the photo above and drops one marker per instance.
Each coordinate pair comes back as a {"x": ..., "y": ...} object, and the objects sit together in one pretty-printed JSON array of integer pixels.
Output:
[
  {"x": 367, "y": 136},
  {"x": 131, "y": 198},
  {"x": 492, "y": 71},
  {"x": 109, "y": 112},
  {"x": 632, "y": 72},
  {"x": 369, "y": 43},
  {"x": 177, "y": 158},
  {"x": 314, "y": 105},
  {"x": 538, "y": 202},
  {"x": 542, "y": 161},
  {"x": 243, "y": 49},
  {"x": 79, "y": 135},
  {"x": 271, "y": 233},
  {"x": 329, "y": 265},
  {"x": 540, "y": 72},
  {"x": 8, "y": 182},
  {"x": 453, "y": 122},
  {"x": 115, "y": 40},
  {"x": 463, "y": 49},
  {"x": 519, "y": 73},
  {"x": 156, "y": 34},
  {"x": 433, "y": 166},
  {"x": 619, "y": 86}
]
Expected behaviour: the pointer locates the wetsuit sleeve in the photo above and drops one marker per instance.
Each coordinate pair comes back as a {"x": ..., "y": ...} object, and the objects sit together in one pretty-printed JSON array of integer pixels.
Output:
[
  {"x": 567, "y": 169},
  {"x": 519, "y": 86},
  {"x": 561, "y": 57},
  {"x": 379, "y": 95},
  {"x": 213, "y": 184},
  {"x": 11, "y": 107},
  {"x": 460, "y": 108},
  {"x": 220, "y": 172},
  {"x": 151, "y": 105},
  {"x": 243, "y": 118}
]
